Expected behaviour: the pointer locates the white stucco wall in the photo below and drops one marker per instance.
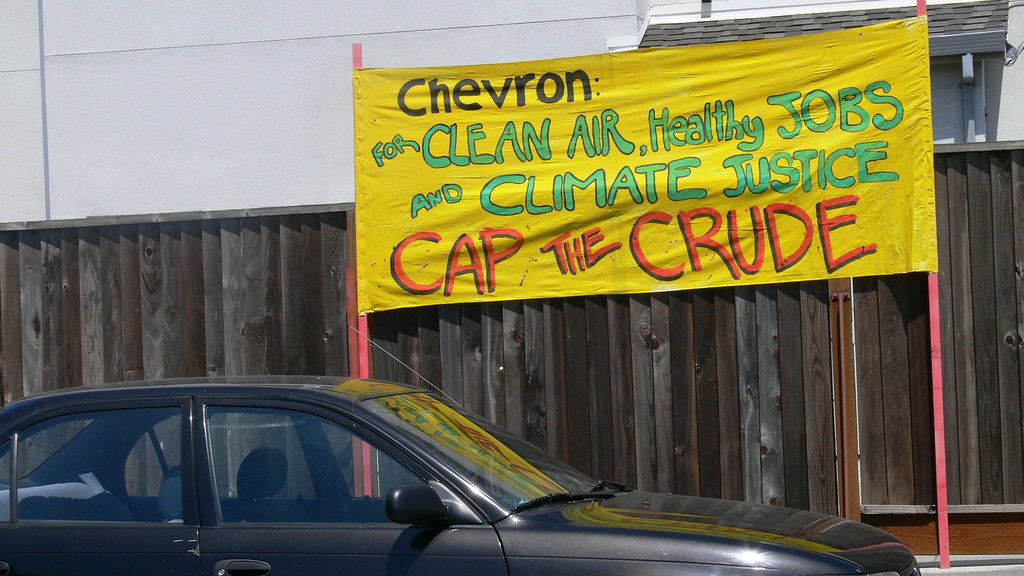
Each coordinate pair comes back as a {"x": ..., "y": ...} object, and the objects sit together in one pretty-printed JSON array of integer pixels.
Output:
[
  {"x": 21, "y": 136},
  {"x": 143, "y": 107},
  {"x": 203, "y": 106}
]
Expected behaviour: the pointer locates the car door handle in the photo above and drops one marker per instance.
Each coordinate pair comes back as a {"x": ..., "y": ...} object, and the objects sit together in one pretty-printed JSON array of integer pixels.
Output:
[{"x": 239, "y": 567}]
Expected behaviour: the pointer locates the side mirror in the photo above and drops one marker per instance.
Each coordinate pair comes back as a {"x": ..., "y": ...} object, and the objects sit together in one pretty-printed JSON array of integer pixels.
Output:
[{"x": 416, "y": 504}]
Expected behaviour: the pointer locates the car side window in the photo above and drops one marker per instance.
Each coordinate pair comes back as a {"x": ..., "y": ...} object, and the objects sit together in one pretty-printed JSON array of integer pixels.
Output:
[
  {"x": 95, "y": 467},
  {"x": 5, "y": 481},
  {"x": 282, "y": 465}
]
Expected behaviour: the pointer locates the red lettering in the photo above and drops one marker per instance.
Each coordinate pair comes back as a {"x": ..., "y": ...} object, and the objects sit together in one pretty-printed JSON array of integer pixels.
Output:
[
  {"x": 592, "y": 238},
  {"x": 783, "y": 262},
  {"x": 827, "y": 224},
  {"x": 705, "y": 240},
  {"x": 640, "y": 257},
  {"x": 475, "y": 266},
  {"x": 757, "y": 230},
  {"x": 398, "y": 268},
  {"x": 492, "y": 257}
]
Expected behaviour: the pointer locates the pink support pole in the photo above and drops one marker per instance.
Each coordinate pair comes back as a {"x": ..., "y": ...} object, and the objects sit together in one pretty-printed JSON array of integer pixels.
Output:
[
  {"x": 938, "y": 414},
  {"x": 362, "y": 323}
]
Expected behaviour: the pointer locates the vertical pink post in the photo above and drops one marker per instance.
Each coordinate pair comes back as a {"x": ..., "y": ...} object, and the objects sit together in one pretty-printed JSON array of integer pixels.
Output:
[
  {"x": 362, "y": 323},
  {"x": 938, "y": 415},
  {"x": 363, "y": 339},
  {"x": 938, "y": 409}
]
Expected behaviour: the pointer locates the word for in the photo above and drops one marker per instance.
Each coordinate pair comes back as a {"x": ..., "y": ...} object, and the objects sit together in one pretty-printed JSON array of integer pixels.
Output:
[
  {"x": 548, "y": 88},
  {"x": 764, "y": 226},
  {"x": 392, "y": 149}
]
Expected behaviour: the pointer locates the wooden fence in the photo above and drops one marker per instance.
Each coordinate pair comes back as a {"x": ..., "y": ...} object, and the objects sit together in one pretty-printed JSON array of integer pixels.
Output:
[{"x": 743, "y": 393}]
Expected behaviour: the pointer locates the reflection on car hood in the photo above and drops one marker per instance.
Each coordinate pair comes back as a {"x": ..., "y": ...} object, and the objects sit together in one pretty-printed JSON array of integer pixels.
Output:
[{"x": 721, "y": 527}]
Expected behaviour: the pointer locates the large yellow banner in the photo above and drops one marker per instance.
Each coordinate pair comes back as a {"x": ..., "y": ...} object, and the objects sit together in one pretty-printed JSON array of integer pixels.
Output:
[{"x": 769, "y": 161}]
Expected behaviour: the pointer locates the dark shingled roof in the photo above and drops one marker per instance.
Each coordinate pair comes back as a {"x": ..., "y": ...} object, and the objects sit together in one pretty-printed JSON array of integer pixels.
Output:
[{"x": 943, "y": 20}]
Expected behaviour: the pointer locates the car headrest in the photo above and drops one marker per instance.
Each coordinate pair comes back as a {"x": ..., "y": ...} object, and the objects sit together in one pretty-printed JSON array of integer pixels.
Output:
[{"x": 261, "y": 474}]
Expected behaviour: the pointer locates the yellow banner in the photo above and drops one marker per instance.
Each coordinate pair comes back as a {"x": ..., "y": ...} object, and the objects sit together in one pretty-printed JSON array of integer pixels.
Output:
[{"x": 777, "y": 160}]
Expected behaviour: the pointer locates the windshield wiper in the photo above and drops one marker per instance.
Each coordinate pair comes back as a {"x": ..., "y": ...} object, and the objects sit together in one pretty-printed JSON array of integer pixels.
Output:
[
  {"x": 608, "y": 485},
  {"x": 603, "y": 490}
]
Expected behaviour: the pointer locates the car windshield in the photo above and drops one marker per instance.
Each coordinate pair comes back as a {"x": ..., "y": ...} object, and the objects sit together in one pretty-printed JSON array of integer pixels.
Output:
[{"x": 509, "y": 469}]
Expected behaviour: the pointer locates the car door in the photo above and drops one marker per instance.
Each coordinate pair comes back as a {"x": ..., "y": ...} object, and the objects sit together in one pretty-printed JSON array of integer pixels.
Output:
[
  {"x": 98, "y": 491},
  {"x": 296, "y": 490}
]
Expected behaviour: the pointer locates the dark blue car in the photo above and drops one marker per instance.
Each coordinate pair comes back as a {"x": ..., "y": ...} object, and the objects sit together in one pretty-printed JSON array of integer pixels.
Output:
[{"x": 303, "y": 476}]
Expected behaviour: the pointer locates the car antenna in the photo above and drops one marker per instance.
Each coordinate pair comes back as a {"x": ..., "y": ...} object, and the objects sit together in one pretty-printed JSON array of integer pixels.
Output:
[{"x": 406, "y": 366}]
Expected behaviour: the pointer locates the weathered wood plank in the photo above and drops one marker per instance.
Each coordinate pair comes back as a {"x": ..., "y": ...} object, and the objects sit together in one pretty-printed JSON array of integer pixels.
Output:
[
  {"x": 193, "y": 303},
  {"x": 773, "y": 457},
  {"x": 685, "y": 367},
  {"x": 268, "y": 288},
  {"x": 408, "y": 347},
  {"x": 664, "y": 425},
  {"x": 892, "y": 297},
  {"x": 429, "y": 340},
  {"x": 748, "y": 390},
  {"x": 554, "y": 378},
  {"x": 643, "y": 392},
  {"x": 1005, "y": 339},
  {"x": 335, "y": 261},
  {"x": 11, "y": 327},
  {"x": 111, "y": 300},
  {"x": 986, "y": 335},
  {"x": 96, "y": 330},
  {"x": 945, "y": 280},
  {"x": 31, "y": 273},
  {"x": 213, "y": 298},
  {"x": 493, "y": 361},
  {"x": 171, "y": 304},
  {"x": 707, "y": 394},
  {"x": 129, "y": 267},
  {"x": 534, "y": 388},
  {"x": 730, "y": 422},
  {"x": 963, "y": 350},
  {"x": 450, "y": 330},
  {"x": 602, "y": 462},
  {"x": 577, "y": 392},
  {"x": 919, "y": 371},
  {"x": 620, "y": 373},
  {"x": 471, "y": 352},
  {"x": 384, "y": 328},
  {"x": 69, "y": 352},
  {"x": 514, "y": 352},
  {"x": 232, "y": 291},
  {"x": 1016, "y": 461},
  {"x": 822, "y": 479},
  {"x": 870, "y": 397},
  {"x": 791, "y": 387}
]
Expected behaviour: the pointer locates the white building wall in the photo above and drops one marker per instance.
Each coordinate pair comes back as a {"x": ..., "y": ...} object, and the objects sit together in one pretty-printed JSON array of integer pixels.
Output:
[
  {"x": 155, "y": 107},
  {"x": 22, "y": 173}
]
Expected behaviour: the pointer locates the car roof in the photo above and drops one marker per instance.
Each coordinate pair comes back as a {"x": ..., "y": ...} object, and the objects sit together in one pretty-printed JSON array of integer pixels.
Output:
[{"x": 340, "y": 389}]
